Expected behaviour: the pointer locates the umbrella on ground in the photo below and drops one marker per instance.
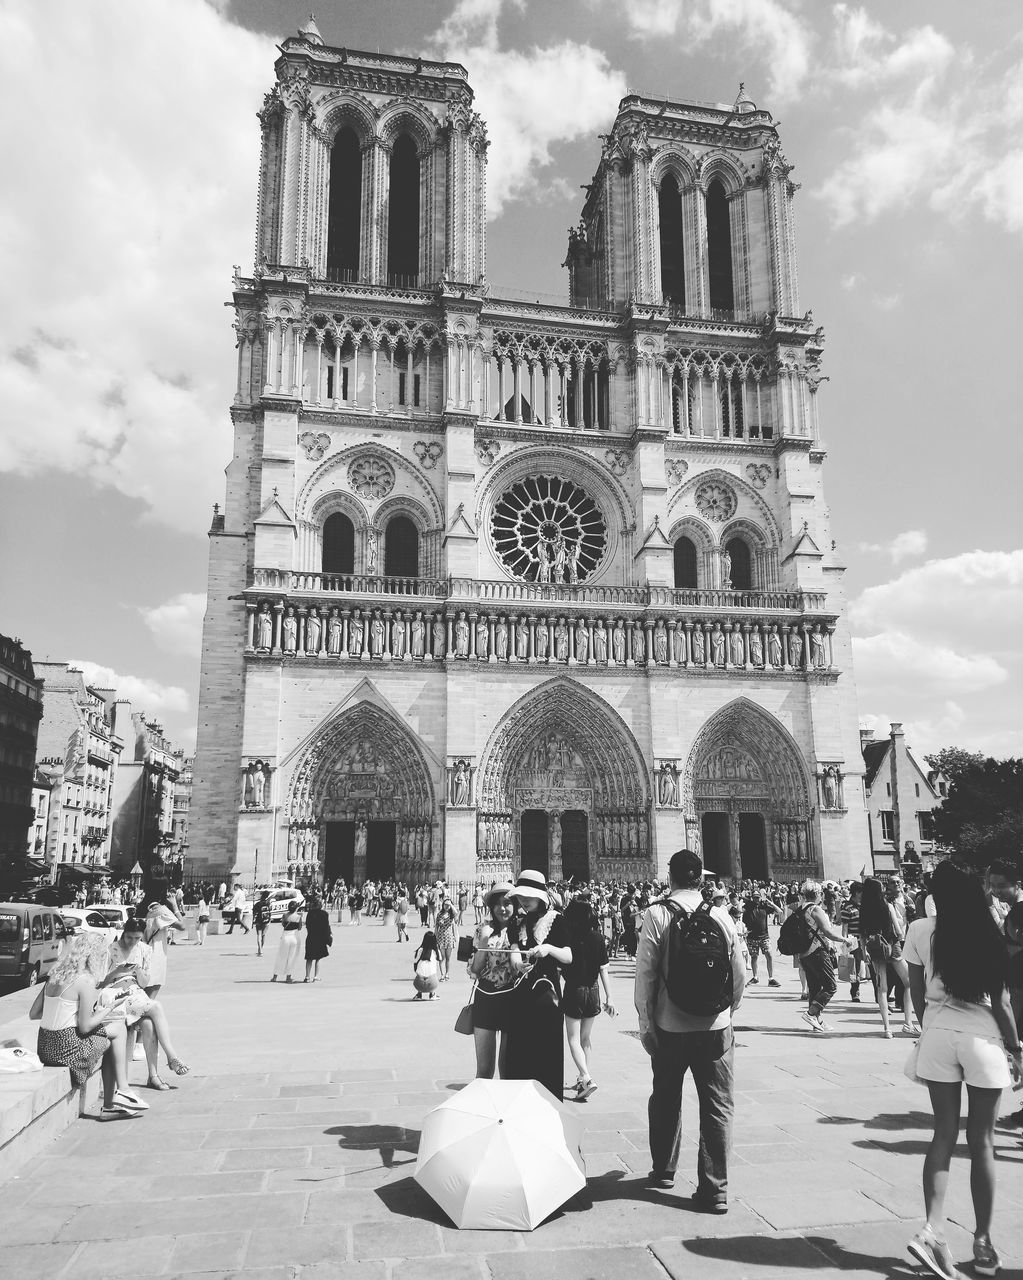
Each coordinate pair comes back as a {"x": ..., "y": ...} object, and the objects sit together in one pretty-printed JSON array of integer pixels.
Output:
[{"x": 501, "y": 1155}]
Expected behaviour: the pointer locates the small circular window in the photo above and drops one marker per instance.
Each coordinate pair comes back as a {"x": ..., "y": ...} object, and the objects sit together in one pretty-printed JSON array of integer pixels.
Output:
[{"x": 546, "y": 529}]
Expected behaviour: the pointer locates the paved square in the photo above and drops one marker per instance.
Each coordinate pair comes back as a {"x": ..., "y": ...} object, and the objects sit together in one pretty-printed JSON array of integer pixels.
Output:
[{"x": 288, "y": 1153}]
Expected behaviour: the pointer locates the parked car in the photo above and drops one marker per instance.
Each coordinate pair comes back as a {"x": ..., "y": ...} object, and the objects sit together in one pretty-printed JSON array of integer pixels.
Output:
[
  {"x": 31, "y": 936},
  {"x": 280, "y": 900},
  {"x": 92, "y": 920}
]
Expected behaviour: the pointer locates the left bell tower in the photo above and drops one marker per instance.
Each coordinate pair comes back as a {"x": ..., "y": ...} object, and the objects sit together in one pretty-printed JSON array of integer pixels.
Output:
[{"x": 372, "y": 167}]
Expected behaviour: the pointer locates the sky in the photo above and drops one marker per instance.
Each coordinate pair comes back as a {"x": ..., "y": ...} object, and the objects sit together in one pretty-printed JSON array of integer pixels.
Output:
[{"x": 129, "y": 196}]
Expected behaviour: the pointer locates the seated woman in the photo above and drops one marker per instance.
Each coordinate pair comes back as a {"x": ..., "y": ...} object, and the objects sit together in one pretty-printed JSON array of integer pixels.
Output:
[
  {"x": 491, "y": 966},
  {"x": 130, "y": 968},
  {"x": 74, "y": 1033}
]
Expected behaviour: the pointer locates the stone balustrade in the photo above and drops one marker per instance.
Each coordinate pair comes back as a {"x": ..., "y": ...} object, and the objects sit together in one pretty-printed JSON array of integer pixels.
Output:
[
  {"x": 294, "y": 582},
  {"x": 292, "y": 630}
]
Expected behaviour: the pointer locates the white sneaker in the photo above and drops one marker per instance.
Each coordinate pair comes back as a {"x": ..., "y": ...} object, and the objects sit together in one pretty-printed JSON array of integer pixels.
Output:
[{"x": 815, "y": 1023}]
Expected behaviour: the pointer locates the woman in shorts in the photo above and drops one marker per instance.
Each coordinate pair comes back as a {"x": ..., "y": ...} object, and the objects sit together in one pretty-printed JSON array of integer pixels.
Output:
[
  {"x": 879, "y": 938},
  {"x": 584, "y": 978},
  {"x": 958, "y": 965}
]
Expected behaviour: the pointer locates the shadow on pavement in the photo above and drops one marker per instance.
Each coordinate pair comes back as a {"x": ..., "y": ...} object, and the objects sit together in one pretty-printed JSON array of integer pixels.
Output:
[
  {"x": 387, "y": 1139},
  {"x": 789, "y": 1255},
  {"x": 407, "y": 1199}
]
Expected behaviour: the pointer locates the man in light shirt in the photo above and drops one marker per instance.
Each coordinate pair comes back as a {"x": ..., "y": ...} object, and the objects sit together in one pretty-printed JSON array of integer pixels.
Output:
[{"x": 678, "y": 1042}]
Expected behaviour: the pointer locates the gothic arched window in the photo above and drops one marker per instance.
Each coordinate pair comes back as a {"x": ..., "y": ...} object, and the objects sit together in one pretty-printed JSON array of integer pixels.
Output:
[
  {"x": 344, "y": 213},
  {"x": 742, "y": 565},
  {"x": 338, "y": 544},
  {"x": 669, "y": 207},
  {"x": 719, "y": 248},
  {"x": 403, "y": 213},
  {"x": 685, "y": 563},
  {"x": 401, "y": 548}
]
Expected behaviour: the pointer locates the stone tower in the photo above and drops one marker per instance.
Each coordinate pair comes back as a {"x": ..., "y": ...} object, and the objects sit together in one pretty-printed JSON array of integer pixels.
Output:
[{"x": 503, "y": 584}]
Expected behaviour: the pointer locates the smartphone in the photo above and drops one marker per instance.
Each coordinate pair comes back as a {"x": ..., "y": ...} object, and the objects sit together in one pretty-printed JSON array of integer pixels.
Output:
[{"x": 121, "y": 995}]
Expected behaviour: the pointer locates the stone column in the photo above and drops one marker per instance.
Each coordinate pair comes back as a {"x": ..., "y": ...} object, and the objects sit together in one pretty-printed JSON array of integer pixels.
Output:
[{"x": 250, "y": 626}]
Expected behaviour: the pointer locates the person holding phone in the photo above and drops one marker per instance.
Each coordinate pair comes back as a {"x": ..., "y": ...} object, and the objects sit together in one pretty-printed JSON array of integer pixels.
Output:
[{"x": 131, "y": 964}]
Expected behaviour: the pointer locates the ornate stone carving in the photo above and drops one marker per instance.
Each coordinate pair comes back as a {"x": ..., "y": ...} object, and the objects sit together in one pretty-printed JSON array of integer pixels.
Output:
[
  {"x": 487, "y": 451},
  {"x": 676, "y": 470},
  {"x": 371, "y": 477},
  {"x": 617, "y": 460},
  {"x": 759, "y": 473},
  {"x": 428, "y": 452},
  {"x": 255, "y": 780},
  {"x": 831, "y": 787},
  {"x": 314, "y": 444},
  {"x": 547, "y": 529},
  {"x": 460, "y": 784},
  {"x": 715, "y": 501},
  {"x": 667, "y": 785}
]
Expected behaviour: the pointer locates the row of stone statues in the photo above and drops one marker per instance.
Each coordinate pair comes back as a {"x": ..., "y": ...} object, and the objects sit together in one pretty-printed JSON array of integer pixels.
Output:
[{"x": 399, "y": 635}]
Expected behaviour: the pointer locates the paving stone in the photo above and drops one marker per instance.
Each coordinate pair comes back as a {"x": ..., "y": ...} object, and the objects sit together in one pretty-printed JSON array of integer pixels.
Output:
[
  {"x": 100, "y": 1259},
  {"x": 344, "y": 1271},
  {"x": 299, "y": 1246},
  {"x": 34, "y": 1261},
  {"x": 315, "y": 1111},
  {"x": 208, "y": 1251},
  {"x": 394, "y": 1240},
  {"x": 182, "y": 1217},
  {"x": 621, "y": 1263},
  {"x": 463, "y": 1267},
  {"x": 267, "y": 1158},
  {"x": 171, "y": 1162},
  {"x": 239, "y": 1139},
  {"x": 233, "y": 1182},
  {"x": 481, "y": 1242},
  {"x": 346, "y": 1205},
  {"x": 33, "y": 1223},
  {"x": 324, "y": 1090},
  {"x": 792, "y": 1212}
]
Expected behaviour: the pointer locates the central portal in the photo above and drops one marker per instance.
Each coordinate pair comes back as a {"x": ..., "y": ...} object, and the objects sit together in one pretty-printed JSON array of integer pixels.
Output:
[
  {"x": 346, "y": 849},
  {"x": 575, "y": 853},
  {"x": 535, "y": 846}
]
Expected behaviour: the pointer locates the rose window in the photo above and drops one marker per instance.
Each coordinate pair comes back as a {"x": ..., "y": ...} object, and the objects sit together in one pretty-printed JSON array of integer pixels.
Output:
[
  {"x": 546, "y": 529},
  {"x": 371, "y": 477},
  {"x": 715, "y": 501}
]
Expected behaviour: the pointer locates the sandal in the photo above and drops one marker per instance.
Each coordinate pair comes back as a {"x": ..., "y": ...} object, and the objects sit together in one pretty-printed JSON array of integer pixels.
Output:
[
  {"x": 155, "y": 1082},
  {"x": 127, "y": 1101},
  {"x": 177, "y": 1066}
]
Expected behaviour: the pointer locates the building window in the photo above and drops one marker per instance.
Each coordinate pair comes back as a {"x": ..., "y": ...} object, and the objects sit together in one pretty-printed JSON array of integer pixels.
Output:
[
  {"x": 669, "y": 207},
  {"x": 403, "y": 214},
  {"x": 887, "y": 824},
  {"x": 742, "y": 565},
  {"x": 401, "y": 548},
  {"x": 416, "y": 389},
  {"x": 401, "y": 387},
  {"x": 916, "y": 788},
  {"x": 926, "y": 824},
  {"x": 719, "y": 248},
  {"x": 685, "y": 564},
  {"x": 338, "y": 544},
  {"x": 888, "y": 788},
  {"x": 344, "y": 212}
]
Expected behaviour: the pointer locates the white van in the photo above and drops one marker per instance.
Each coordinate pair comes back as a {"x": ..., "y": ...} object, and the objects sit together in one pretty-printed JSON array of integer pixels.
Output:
[{"x": 31, "y": 936}]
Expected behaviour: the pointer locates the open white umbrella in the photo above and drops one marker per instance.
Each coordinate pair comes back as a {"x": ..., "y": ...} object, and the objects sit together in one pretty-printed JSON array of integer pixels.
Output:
[{"x": 501, "y": 1155}]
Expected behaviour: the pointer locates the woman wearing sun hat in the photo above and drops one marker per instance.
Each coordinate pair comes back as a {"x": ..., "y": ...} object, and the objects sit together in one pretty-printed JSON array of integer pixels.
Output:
[
  {"x": 536, "y": 1036},
  {"x": 491, "y": 966}
]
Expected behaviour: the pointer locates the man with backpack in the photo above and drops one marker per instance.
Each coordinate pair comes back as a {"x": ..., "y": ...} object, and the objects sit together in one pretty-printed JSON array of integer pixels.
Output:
[
  {"x": 689, "y": 981},
  {"x": 808, "y": 933}
]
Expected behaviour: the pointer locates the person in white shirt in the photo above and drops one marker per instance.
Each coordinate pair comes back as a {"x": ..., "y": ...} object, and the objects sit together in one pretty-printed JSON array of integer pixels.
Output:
[{"x": 678, "y": 1042}]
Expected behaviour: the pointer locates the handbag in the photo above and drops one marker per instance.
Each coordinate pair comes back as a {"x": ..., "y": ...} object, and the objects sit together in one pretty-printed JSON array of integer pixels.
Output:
[
  {"x": 878, "y": 948},
  {"x": 464, "y": 1022}
]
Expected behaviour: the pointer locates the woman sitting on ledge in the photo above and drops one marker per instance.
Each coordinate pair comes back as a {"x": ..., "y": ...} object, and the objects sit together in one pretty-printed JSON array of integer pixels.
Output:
[{"x": 75, "y": 1033}]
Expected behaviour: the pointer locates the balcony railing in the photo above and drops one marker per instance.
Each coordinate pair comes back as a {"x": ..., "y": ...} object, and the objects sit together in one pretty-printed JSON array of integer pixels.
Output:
[{"x": 482, "y": 590}]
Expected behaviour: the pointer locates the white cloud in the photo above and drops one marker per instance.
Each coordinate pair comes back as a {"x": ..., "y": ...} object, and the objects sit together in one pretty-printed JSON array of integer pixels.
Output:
[
  {"x": 944, "y": 131},
  {"x": 176, "y": 625},
  {"x": 913, "y": 542},
  {"x": 893, "y": 658},
  {"x": 530, "y": 101},
  {"x": 765, "y": 29},
  {"x": 145, "y": 695},
  {"x": 976, "y": 598},
  {"x": 117, "y": 354},
  {"x": 850, "y": 281}
]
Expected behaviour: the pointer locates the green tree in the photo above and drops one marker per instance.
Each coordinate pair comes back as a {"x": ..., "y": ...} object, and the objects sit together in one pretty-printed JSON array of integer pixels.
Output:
[{"x": 982, "y": 818}]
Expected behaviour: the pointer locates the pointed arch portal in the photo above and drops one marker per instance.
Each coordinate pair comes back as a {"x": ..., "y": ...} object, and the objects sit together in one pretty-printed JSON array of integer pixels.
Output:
[
  {"x": 746, "y": 797},
  {"x": 564, "y": 790},
  {"x": 362, "y": 802}
]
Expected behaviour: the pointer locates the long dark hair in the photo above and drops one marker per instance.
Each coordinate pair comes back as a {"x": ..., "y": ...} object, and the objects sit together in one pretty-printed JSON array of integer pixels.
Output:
[
  {"x": 874, "y": 914},
  {"x": 969, "y": 951},
  {"x": 581, "y": 923}
]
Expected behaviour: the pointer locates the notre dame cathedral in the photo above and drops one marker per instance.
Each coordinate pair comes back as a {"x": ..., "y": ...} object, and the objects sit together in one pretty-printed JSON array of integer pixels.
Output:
[{"x": 502, "y": 584}]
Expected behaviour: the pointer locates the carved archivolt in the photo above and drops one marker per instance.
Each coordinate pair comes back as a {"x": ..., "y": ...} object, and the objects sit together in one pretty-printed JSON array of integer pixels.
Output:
[
  {"x": 328, "y": 477},
  {"x": 688, "y": 494},
  {"x": 744, "y": 754},
  {"x": 364, "y": 764},
  {"x": 563, "y": 739}
]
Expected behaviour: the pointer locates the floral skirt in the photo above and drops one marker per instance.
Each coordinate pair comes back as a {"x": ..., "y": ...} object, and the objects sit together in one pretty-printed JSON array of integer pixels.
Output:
[{"x": 67, "y": 1048}]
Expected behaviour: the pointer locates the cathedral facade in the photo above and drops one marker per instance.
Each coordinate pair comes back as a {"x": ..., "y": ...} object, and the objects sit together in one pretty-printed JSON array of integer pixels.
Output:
[{"x": 501, "y": 584}]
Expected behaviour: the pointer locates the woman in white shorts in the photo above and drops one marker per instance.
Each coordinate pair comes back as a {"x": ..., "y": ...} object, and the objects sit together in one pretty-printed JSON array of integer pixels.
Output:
[{"x": 958, "y": 966}]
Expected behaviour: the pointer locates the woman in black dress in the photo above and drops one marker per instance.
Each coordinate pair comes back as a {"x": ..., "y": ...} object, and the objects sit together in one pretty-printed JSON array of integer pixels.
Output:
[
  {"x": 318, "y": 939},
  {"x": 536, "y": 1034}
]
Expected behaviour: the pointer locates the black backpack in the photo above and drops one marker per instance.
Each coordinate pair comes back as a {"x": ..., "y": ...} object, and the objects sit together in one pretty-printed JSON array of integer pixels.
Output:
[
  {"x": 698, "y": 977},
  {"x": 796, "y": 934}
]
